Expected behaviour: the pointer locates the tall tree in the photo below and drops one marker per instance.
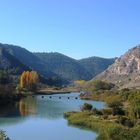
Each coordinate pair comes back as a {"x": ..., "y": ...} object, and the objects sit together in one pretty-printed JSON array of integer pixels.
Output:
[{"x": 29, "y": 80}]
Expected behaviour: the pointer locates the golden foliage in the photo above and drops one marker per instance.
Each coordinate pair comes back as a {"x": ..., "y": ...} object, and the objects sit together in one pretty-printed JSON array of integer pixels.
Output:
[{"x": 29, "y": 80}]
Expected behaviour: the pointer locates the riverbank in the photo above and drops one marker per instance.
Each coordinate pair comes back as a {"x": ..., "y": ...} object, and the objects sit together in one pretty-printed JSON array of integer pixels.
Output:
[
  {"x": 100, "y": 95},
  {"x": 120, "y": 120},
  {"x": 106, "y": 129},
  {"x": 14, "y": 96},
  {"x": 51, "y": 91}
]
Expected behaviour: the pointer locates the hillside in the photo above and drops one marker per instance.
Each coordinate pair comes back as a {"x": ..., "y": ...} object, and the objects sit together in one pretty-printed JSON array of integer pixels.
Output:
[
  {"x": 10, "y": 63},
  {"x": 66, "y": 67},
  {"x": 54, "y": 65},
  {"x": 125, "y": 72},
  {"x": 28, "y": 59},
  {"x": 96, "y": 65}
]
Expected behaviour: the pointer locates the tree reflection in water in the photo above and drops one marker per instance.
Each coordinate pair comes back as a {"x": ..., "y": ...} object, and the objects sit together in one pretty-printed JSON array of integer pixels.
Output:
[
  {"x": 24, "y": 107},
  {"x": 28, "y": 106}
]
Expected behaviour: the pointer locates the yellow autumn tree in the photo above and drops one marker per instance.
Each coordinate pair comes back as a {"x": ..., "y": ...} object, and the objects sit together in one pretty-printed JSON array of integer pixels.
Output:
[
  {"x": 29, "y": 80},
  {"x": 27, "y": 73},
  {"x": 23, "y": 80}
]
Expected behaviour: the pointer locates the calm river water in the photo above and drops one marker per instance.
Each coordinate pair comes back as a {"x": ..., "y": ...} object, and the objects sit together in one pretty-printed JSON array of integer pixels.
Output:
[{"x": 41, "y": 118}]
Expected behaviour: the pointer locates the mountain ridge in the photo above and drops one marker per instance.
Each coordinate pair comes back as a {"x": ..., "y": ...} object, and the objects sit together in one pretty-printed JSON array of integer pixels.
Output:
[
  {"x": 73, "y": 69},
  {"x": 125, "y": 72},
  {"x": 96, "y": 65},
  {"x": 52, "y": 65}
]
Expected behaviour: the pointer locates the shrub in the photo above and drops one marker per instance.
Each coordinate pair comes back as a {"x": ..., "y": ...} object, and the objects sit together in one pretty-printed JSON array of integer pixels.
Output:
[
  {"x": 107, "y": 111},
  {"x": 125, "y": 121},
  {"x": 86, "y": 106},
  {"x": 134, "y": 100},
  {"x": 114, "y": 102},
  {"x": 105, "y": 117},
  {"x": 3, "y": 136},
  {"x": 97, "y": 112},
  {"x": 100, "y": 85}
]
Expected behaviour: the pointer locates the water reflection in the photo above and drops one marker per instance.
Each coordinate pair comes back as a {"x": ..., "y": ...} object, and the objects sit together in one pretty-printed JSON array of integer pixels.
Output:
[
  {"x": 33, "y": 114},
  {"x": 46, "y": 107},
  {"x": 28, "y": 106}
]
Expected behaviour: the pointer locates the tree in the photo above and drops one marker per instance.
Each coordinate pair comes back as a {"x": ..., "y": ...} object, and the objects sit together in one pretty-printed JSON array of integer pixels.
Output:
[
  {"x": 115, "y": 103},
  {"x": 4, "y": 77},
  {"x": 29, "y": 80},
  {"x": 86, "y": 106},
  {"x": 134, "y": 100},
  {"x": 94, "y": 86},
  {"x": 23, "y": 80}
]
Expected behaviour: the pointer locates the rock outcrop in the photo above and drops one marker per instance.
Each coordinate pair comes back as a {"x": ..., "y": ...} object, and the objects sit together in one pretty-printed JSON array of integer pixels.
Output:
[{"x": 125, "y": 72}]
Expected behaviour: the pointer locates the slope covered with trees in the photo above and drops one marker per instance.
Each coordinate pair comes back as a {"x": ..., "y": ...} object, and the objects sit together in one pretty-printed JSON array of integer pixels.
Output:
[
  {"x": 73, "y": 69},
  {"x": 10, "y": 64},
  {"x": 64, "y": 66},
  {"x": 96, "y": 65},
  {"x": 53, "y": 67},
  {"x": 28, "y": 59}
]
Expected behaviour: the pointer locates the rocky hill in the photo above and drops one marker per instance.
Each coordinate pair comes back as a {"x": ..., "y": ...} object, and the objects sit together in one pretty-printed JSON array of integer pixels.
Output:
[{"x": 125, "y": 72}]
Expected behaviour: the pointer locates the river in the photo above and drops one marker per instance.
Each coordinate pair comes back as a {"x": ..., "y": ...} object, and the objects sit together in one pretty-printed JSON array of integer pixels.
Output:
[{"x": 41, "y": 118}]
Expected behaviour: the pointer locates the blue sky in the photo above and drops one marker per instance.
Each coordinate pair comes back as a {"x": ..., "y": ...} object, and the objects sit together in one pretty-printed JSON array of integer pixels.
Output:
[{"x": 77, "y": 28}]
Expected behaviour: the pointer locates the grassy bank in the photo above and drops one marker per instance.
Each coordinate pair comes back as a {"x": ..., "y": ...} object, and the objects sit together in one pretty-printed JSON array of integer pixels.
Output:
[
  {"x": 119, "y": 121},
  {"x": 106, "y": 129}
]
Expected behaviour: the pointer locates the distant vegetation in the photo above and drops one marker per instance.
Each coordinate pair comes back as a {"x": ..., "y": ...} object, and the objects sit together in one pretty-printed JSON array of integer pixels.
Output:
[
  {"x": 10, "y": 63},
  {"x": 96, "y": 65},
  {"x": 71, "y": 69},
  {"x": 64, "y": 66},
  {"x": 93, "y": 86},
  {"x": 54, "y": 68}
]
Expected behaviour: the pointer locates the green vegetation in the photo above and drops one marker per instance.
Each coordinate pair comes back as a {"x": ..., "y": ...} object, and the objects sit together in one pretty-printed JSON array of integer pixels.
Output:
[
  {"x": 4, "y": 77},
  {"x": 71, "y": 69},
  {"x": 96, "y": 65},
  {"x": 54, "y": 68},
  {"x": 115, "y": 103},
  {"x": 107, "y": 129},
  {"x": 94, "y": 86},
  {"x": 10, "y": 64},
  {"x": 68, "y": 68},
  {"x": 86, "y": 107},
  {"x": 120, "y": 120},
  {"x": 99, "y": 85},
  {"x": 96, "y": 90},
  {"x": 3, "y": 136}
]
